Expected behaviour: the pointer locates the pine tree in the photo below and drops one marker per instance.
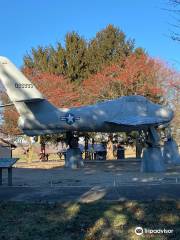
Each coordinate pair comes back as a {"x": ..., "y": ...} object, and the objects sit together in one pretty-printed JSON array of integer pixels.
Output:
[
  {"x": 57, "y": 60},
  {"x": 76, "y": 50},
  {"x": 37, "y": 59},
  {"x": 109, "y": 46}
]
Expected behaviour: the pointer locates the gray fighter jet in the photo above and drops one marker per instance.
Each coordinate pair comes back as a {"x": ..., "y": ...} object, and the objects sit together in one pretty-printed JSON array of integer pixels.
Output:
[{"x": 38, "y": 116}]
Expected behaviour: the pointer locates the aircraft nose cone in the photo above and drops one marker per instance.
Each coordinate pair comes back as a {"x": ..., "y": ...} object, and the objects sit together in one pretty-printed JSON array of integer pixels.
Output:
[{"x": 166, "y": 113}]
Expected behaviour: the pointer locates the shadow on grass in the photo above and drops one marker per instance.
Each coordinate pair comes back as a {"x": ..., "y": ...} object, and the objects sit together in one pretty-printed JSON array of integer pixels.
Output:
[{"x": 93, "y": 221}]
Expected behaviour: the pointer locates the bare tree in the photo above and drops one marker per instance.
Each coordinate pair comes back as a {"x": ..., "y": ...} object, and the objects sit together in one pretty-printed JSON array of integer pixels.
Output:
[{"x": 175, "y": 8}]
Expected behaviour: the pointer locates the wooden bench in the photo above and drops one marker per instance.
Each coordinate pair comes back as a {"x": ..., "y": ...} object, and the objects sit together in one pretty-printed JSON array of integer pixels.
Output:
[{"x": 7, "y": 163}]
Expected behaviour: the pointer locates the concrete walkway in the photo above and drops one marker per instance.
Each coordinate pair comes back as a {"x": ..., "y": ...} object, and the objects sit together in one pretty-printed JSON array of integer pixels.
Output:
[
  {"x": 107, "y": 181},
  {"x": 105, "y": 174},
  {"x": 85, "y": 194}
]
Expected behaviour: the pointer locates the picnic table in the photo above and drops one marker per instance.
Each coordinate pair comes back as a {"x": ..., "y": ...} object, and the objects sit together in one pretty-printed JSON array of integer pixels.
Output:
[{"x": 7, "y": 163}]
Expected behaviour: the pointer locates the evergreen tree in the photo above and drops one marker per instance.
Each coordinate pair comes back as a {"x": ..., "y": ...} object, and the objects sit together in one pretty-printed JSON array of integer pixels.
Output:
[
  {"x": 76, "y": 60},
  {"x": 139, "y": 52},
  {"x": 57, "y": 60},
  {"x": 79, "y": 58},
  {"x": 109, "y": 45},
  {"x": 37, "y": 59}
]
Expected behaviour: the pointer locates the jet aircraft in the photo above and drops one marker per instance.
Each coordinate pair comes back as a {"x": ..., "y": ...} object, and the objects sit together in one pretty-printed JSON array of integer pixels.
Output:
[{"x": 38, "y": 116}]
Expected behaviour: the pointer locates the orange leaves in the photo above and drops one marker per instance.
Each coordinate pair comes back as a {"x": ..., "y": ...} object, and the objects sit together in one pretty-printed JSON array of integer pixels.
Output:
[
  {"x": 57, "y": 89},
  {"x": 10, "y": 117},
  {"x": 136, "y": 74}
]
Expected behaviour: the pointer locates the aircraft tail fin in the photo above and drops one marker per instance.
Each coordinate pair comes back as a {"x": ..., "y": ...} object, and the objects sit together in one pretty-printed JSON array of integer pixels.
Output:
[
  {"x": 35, "y": 111},
  {"x": 19, "y": 88}
]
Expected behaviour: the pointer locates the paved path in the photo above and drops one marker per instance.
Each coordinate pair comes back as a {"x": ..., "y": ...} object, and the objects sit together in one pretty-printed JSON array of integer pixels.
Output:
[
  {"x": 106, "y": 174},
  {"x": 90, "y": 194},
  {"x": 107, "y": 181}
]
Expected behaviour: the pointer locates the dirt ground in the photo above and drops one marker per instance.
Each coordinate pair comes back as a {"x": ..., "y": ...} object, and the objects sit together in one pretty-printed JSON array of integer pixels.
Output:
[
  {"x": 130, "y": 152},
  {"x": 99, "y": 173}
]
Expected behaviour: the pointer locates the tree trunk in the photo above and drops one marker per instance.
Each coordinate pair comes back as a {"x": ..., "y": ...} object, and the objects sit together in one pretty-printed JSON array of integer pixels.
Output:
[{"x": 110, "y": 155}]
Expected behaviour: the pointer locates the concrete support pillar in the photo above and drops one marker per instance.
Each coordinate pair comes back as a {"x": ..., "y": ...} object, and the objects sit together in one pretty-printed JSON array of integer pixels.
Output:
[
  {"x": 86, "y": 147},
  {"x": 152, "y": 160},
  {"x": 10, "y": 176},
  {"x": 171, "y": 152},
  {"x": 0, "y": 176},
  {"x": 138, "y": 146},
  {"x": 74, "y": 158}
]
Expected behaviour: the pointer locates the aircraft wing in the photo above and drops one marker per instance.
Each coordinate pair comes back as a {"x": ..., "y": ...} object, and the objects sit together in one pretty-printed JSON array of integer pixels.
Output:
[{"x": 135, "y": 121}]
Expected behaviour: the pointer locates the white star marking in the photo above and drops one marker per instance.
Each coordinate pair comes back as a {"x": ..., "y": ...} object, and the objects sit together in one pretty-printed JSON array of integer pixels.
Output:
[{"x": 70, "y": 118}]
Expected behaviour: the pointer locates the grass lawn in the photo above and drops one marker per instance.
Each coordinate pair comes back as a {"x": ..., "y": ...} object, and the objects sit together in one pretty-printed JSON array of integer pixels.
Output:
[{"x": 99, "y": 220}]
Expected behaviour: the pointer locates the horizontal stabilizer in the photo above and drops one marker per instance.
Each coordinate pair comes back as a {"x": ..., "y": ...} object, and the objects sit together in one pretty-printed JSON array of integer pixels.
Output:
[
  {"x": 139, "y": 120},
  {"x": 31, "y": 100}
]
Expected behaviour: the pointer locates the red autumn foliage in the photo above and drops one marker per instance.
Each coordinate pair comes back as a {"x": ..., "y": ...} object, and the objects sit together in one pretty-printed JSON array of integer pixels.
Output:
[
  {"x": 10, "y": 117},
  {"x": 136, "y": 75},
  {"x": 57, "y": 89}
]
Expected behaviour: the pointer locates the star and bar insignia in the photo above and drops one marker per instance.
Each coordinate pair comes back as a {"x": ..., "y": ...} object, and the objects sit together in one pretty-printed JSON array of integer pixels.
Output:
[{"x": 69, "y": 118}]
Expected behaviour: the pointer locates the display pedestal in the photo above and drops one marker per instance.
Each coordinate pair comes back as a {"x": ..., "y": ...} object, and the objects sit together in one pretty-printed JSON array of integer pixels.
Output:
[
  {"x": 171, "y": 153},
  {"x": 152, "y": 160},
  {"x": 73, "y": 158}
]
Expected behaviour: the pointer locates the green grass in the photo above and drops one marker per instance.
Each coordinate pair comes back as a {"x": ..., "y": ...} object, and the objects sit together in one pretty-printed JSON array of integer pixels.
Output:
[{"x": 95, "y": 221}]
